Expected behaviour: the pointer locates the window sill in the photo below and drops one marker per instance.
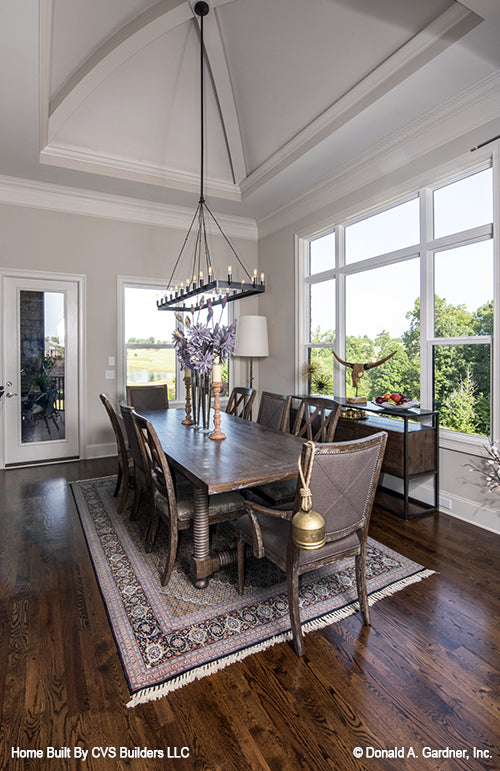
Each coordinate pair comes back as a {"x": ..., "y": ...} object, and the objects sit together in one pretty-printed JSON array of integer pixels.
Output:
[{"x": 464, "y": 443}]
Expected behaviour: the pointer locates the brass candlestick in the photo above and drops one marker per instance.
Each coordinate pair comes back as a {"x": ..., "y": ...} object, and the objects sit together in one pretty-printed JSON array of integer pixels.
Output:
[
  {"x": 217, "y": 433},
  {"x": 187, "y": 420}
]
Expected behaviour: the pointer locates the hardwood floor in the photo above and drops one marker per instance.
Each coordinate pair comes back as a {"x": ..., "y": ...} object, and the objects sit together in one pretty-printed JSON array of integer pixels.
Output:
[{"x": 425, "y": 675}]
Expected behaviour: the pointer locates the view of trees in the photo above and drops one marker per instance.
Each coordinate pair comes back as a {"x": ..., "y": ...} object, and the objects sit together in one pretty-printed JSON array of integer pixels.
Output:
[{"x": 461, "y": 372}]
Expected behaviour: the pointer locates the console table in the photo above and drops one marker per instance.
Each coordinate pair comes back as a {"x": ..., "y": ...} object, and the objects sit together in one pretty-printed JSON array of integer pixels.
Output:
[{"x": 412, "y": 451}]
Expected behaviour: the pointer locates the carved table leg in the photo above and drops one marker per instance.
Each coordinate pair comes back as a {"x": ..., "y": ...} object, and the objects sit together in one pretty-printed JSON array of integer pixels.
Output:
[{"x": 203, "y": 564}]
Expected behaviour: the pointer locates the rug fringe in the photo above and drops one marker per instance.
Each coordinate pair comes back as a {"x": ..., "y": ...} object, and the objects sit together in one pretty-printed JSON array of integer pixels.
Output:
[{"x": 158, "y": 691}]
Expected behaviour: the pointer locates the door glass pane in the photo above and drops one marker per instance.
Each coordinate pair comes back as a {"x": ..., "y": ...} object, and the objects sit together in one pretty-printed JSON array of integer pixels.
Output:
[
  {"x": 465, "y": 204},
  {"x": 462, "y": 377},
  {"x": 382, "y": 316},
  {"x": 386, "y": 232},
  {"x": 463, "y": 287},
  {"x": 42, "y": 363}
]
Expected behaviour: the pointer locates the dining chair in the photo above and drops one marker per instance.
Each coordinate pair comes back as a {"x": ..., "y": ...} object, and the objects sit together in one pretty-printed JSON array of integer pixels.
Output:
[
  {"x": 316, "y": 420},
  {"x": 343, "y": 482},
  {"x": 125, "y": 463},
  {"x": 173, "y": 502},
  {"x": 142, "y": 487},
  {"x": 274, "y": 411},
  {"x": 240, "y": 402},
  {"x": 148, "y": 397}
]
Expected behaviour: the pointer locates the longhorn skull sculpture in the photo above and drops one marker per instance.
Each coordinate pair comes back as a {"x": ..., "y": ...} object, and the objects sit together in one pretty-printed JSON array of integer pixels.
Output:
[{"x": 358, "y": 370}]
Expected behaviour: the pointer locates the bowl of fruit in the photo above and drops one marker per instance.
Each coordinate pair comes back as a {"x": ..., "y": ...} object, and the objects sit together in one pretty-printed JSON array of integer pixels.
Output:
[{"x": 395, "y": 401}]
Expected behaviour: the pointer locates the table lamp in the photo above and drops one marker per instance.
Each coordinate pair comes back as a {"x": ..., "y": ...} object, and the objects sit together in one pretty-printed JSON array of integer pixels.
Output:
[{"x": 251, "y": 339}]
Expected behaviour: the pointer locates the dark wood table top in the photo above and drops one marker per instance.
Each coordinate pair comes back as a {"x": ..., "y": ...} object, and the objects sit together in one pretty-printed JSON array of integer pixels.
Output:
[{"x": 250, "y": 455}]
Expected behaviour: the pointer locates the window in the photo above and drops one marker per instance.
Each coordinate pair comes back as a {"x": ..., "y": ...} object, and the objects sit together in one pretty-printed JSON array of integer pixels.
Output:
[
  {"x": 422, "y": 287},
  {"x": 149, "y": 354}
]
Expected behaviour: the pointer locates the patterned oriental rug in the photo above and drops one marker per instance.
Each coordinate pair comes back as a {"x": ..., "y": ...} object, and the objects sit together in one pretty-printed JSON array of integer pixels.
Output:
[{"x": 169, "y": 636}]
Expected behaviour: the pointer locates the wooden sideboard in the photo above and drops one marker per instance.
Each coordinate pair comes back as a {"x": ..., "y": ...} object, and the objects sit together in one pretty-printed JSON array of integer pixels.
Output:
[{"x": 412, "y": 452}]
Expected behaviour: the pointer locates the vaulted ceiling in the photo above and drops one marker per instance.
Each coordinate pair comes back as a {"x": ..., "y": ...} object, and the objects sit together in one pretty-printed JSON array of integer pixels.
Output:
[{"x": 295, "y": 90}]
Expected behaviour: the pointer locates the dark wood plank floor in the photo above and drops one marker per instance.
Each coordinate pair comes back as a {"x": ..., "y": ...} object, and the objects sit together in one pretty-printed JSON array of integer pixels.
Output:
[{"x": 425, "y": 675}]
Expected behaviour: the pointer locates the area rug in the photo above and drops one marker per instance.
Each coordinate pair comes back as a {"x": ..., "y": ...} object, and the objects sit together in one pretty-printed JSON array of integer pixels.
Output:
[{"x": 169, "y": 636}]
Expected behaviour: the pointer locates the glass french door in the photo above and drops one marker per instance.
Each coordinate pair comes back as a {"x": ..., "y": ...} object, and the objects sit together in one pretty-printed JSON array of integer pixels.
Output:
[{"x": 41, "y": 370}]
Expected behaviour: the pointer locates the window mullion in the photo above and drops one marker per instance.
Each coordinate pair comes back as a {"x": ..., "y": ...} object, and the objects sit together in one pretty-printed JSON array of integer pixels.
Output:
[
  {"x": 340, "y": 325},
  {"x": 426, "y": 299}
]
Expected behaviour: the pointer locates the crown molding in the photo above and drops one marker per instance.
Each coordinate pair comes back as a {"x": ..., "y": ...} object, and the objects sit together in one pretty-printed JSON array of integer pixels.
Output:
[
  {"x": 470, "y": 110},
  {"x": 79, "y": 160},
  {"x": 40, "y": 195},
  {"x": 449, "y": 27}
]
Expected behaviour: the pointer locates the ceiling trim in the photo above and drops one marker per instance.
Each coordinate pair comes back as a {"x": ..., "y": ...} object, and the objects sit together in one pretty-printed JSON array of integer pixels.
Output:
[
  {"x": 473, "y": 108},
  {"x": 134, "y": 36},
  {"x": 216, "y": 55},
  {"x": 79, "y": 160},
  {"x": 436, "y": 37},
  {"x": 38, "y": 195}
]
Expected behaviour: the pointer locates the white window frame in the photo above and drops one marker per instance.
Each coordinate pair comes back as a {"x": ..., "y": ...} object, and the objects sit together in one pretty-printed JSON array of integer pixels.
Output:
[
  {"x": 425, "y": 251},
  {"x": 124, "y": 282}
]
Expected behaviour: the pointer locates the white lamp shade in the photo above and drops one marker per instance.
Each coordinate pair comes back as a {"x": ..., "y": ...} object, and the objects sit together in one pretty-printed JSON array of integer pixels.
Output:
[{"x": 251, "y": 336}]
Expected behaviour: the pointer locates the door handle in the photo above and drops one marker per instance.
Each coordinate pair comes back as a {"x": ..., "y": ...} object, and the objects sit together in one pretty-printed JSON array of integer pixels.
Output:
[{"x": 9, "y": 395}]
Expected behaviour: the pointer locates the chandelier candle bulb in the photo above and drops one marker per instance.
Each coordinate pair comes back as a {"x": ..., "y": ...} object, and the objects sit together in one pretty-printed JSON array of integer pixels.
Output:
[
  {"x": 229, "y": 273},
  {"x": 262, "y": 279},
  {"x": 254, "y": 277}
]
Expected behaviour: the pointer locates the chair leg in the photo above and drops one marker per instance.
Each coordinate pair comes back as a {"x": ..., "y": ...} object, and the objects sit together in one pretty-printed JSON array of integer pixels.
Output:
[
  {"x": 362, "y": 588},
  {"x": 172, "y": 551},
  {"x": 137, "y": 500},
  {"x": 118, "y": 480},
  {"x": 292, "y": 581},
  {"x": 241, "y": 565},
  {"x": 124, "y": 495}
]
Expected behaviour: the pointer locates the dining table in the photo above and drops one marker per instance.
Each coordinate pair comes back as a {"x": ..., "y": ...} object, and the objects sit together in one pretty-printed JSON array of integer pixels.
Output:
[{"x": 250, "y": 455}]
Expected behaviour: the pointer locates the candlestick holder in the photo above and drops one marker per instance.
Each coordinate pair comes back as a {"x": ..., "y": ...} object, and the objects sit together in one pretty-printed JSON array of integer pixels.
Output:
[
  {"x": 187, "y": 420},
  {"x": 217, "y": 433}
]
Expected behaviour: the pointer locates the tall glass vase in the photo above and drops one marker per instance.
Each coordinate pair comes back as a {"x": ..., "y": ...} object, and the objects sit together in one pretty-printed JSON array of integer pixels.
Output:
[
  {"x": 195, "y": 396},
  {"x": 205, "y": 395},
  {"x": 200, "y": 398}
]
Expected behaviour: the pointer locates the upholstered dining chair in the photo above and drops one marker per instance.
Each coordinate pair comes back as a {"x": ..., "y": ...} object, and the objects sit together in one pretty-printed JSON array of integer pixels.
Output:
[
  {"x": 316, "y": 420},
  {"x": 240, "y": 402},
  {"x": 173, "y": 503},
  {"x": 343, "y": 482},
  {"x": 142, "y": 487},
  {"x": 125, "y": 463},
  {"x": 274, "y": 411},
  {"x": 148, "y": 397}
]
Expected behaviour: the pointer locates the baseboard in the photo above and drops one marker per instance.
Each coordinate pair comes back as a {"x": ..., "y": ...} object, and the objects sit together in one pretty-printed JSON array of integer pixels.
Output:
[
  {"x": 481, "y": 513},
  {"x": 99, "y": 451}
]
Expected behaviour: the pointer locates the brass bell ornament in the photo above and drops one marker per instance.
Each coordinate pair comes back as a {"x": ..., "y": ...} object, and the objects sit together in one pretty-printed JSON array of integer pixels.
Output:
[{"x": 308, "y": 529}]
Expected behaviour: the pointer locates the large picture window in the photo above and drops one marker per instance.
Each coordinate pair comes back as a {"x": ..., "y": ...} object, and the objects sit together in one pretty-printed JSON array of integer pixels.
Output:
[{"x": 416, "y": 278}]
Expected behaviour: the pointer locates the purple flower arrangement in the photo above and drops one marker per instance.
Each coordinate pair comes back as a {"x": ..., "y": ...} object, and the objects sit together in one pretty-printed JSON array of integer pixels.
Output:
[{"x": 201, "y": 345}]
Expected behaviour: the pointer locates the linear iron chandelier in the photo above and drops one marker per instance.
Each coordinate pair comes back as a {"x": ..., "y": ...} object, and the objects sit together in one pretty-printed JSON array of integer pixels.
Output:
[{"x": 201, "y": 282}]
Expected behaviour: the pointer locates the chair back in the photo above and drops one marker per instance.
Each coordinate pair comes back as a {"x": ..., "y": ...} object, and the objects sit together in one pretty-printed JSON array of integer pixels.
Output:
[
  {"x": 274, "y": 411},
  {"x": 141, "y": 465},
  {"x": 240, "y": 402},
  {"x": 156, "y": 460},
  {"x": 317, "y": 418},
  {"x": 343, "y": 482},
  {"x": 118, "y": 427},
  {"x": 148, "y": 397}
]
